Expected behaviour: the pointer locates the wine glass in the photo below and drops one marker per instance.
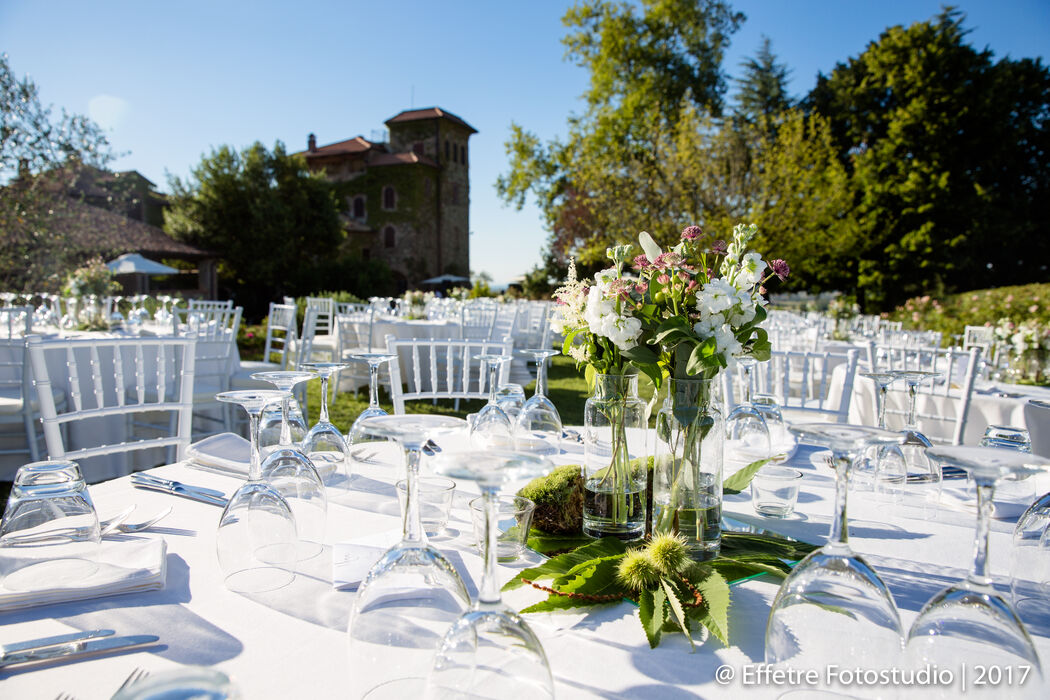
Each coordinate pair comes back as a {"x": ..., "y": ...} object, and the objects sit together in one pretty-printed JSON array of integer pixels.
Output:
[
  {"x": 285, "y": 414},
  {"x": 538, "y": 427},
  {"x": 363, "y": 446},
  {"x": 833, "y": 607},
  {"x": 887, "y": 458},
  {"x": 293, "y": 474},
  {"x": 510, "y": 398},
  {"x": 490, "y": 652},
  {"x": 1030, "y": 559},
  {"x": 780, "y": 440},
  {"x": 747, "y": 435},
  {"x": 411, "y": 595},
  {"x": 256, "y": 542},
  {"x": 969, "y": 621},
  {"x": 324, "y": 444},
  {"x": 915, "y": 481},
  {"x": 491, "y": 427}
]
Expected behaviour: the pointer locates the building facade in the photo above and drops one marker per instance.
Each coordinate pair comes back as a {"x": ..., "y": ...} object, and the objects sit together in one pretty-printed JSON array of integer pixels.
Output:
[{"x": 405, "y": 200}]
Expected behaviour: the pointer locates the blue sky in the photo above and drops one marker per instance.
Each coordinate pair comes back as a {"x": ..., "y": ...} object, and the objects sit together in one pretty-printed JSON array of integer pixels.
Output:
[{"x": 171, "y": 81}]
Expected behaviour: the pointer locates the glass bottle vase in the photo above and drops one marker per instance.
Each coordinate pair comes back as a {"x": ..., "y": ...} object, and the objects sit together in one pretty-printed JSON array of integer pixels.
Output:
[
  {"x": 615, "y": 459},
  {"x": 687, "y": 466}
]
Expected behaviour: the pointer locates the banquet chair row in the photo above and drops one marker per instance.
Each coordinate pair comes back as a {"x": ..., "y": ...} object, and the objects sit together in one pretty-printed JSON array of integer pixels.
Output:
[{"x": 19, "y": 408}]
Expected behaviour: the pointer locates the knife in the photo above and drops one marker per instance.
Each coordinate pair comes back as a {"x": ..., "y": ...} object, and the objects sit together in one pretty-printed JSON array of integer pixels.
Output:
[
  {"x": 175, "y": 484},
  {"x": 8, "y": 649},
  {"x": 78, "y": 649},
  {"x": 183, "y": 491}
]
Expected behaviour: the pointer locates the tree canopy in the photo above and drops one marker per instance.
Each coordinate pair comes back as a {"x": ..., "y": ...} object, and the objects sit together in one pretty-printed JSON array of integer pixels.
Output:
[{"x": 274, "y": 225}]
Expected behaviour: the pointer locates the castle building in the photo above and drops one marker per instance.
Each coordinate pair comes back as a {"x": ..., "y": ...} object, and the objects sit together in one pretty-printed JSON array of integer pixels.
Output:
[{"x": 405, "y": 200}]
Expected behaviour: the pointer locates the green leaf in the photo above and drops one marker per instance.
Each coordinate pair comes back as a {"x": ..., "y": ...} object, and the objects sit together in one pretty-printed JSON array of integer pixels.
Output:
[
  {"x": 569, "y": 337},
  {"x": 554, "y": 603},
  {"x": 739, "y": 544},
  {"x": 564, "y": 563},
  {"x": 651, "y": 615},
  {"x": 640, "y": 354},
  {"x": 739, "y": 481},
  {"x": 594, "y": 577},
  {"x": 676, "y": 608},
  {"x": 715, "y": 617},
  {"x": 735, "y": 569},
  {"x": 548, "y": 544}
]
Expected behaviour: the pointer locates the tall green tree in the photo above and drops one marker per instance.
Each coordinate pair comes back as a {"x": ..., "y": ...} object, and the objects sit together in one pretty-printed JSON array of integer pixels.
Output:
[
  {"x": 273, "y": 223},
  {"x": 947, "y": 151},
  {"x": 40, "y": 156},
  {"x": 762, "y": 90}
]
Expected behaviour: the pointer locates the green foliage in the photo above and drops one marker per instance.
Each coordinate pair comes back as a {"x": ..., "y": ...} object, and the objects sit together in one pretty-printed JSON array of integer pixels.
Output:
[
  {"x": 40, "y": 157},
  {"x": 559, "y": 500},
  {"x": 274, "y": 225},
  {"x": 947, "y": 150},
  {"x": 762, "y": 93},
  {"x": 950, "y": 314}
]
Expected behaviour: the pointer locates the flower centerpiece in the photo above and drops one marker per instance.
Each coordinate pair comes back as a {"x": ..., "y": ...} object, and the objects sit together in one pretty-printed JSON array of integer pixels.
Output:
[
  {"x": 86, "y": 288},
  {"x": 414, "y": 304},
  {"x": 1028, "y": 343},
  {"x": 701, "y": 306}
]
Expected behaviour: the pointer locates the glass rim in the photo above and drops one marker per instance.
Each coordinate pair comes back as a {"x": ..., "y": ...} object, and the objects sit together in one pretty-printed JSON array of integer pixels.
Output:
[
  {"x": 49, "y": 467},
  {"x": 778, "y": 473},
  {"x": 504, "y": 499},
  {"x": 430, "y": 481}
]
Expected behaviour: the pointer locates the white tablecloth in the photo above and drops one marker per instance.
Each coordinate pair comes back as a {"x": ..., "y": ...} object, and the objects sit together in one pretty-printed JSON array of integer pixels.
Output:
[{"x": 293, "y": 643}]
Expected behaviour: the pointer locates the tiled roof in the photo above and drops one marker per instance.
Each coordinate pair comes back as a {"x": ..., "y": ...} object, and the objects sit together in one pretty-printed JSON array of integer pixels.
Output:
[
  {"x": 358, "y": 144},
  {"x": 411, "y": 115},
  {"x": 401, "y": 159},
  {"x": 97, "y": 230}
]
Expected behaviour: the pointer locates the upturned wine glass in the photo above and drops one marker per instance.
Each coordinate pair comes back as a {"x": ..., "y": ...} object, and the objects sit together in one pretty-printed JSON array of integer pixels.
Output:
[
  {"x": 412, "y": 595},
  {"x": 833, "y": 608},
  {"x": 491, "y": 427},
  {"x": 324, "y": 444},
  {"x": 915, "y": 480},
  {"x": 257, "y": 539},
  {"x": 375, "y": 360},
  {"x": 490, "y": 652},
  {"x": 538, "y": 427},
  {"x": 292, "y": 473},
  {"x": 747, "y": 435},
  {"x": 287, "y": 412},
  {"x": 888, "y": 458},
  {"x": 969, "y": 622}
]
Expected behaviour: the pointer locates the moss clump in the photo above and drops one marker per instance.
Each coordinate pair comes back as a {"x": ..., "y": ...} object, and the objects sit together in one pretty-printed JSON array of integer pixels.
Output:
[{"x": 559, "y": 500}]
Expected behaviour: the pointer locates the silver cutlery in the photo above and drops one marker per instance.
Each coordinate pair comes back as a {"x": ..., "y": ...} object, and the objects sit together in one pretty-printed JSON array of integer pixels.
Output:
[
  {"x": 78, "y": 649},
  {"x": 43, "y": 642},
  {"x": 137, "y": 675},
  {"x": 183, "y": 490},
  {"x": 144, "y": 476},
  {"x": 140, "y": 526},
  {"x": 108, "y": 526}
]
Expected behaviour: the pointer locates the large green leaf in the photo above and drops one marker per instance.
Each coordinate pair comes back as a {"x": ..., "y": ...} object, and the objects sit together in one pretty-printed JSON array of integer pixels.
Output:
[
  {"x": 715, "y": 615},
  {"x": 651, "y": 615},
  {"x": 677, "y": 610},
  {"x": 548, "y": 544},
  {"x": 563, "y": 563},
  {"x": 739, "y": 480},
  {"x": 596, "y": 577}
]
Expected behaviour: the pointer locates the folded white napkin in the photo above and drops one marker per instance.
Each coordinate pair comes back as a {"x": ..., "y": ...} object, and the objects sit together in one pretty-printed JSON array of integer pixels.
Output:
[
  {"x": 226, "y": 453},
  {"x": 128, "y": 566}
]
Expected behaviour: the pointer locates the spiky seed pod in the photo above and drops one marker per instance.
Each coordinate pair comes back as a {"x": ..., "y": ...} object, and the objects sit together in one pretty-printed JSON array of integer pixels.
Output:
[
  {"x": 668, "y": 554},
  {"x": 636, "y": 571}
]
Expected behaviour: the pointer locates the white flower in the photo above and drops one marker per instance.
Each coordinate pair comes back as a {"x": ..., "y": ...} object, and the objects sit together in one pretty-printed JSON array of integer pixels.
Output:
[
  {"x": 716, "y": 296},
  {"x": 649, "y": 245},
  {"x": 752, "y": 267},
  {"x": 726, "y": 343}
]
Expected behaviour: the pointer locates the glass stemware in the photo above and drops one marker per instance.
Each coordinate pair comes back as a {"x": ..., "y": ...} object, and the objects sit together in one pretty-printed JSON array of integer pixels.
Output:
[
  {"x": 375, "y": 360},
  {"x": 285, "y": 414},
  {"x": 256, "y": 541},
  {"x": 1030, "y": 560},
  {"x": 491, "y": 427},
  {"x": 917, "y": 481},
  {"x": 833, "y": 607},
  {"x": 490, "y": 652},
  {"x": 538, "y": 427},
  {"x": 292, "y": 473},
  {"x": 885, "y": 462},
  {"x": 511, "y": 398},
  {"x": 324, "y": 444},
  {"x": 969, "y": 621},
  {"x": 411, "y": 596},
  {"x": 747, "y": 435}
]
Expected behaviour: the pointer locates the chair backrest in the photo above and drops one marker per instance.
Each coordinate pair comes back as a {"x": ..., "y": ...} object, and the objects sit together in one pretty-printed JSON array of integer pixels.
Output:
[
  {"x": 209, "y": 304},
  {"x": 802, "y": 382},
  {"x": 505, "y": 321},
  {"x": 1037, "y": 420},
  {"x": 355, "y": 330},
  {"x": 323, "y": 320},
  {"x": 16, "y": 321},
  {"x": 345, "y": 308},
  {"x": 441, "y": 369},
  {"x": 208, "y": 324},
  {"x": 16, "y": 385},
  {"x": 149, "y": 375},
  {"x": 478, "y": 319},
  {"x": 282, "y": 329},
  {"x": 958, "y": 368}
]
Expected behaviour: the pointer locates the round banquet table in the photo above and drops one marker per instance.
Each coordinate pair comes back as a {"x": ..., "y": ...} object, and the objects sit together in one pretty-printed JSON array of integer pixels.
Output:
[{"x": 293, "y": 642}]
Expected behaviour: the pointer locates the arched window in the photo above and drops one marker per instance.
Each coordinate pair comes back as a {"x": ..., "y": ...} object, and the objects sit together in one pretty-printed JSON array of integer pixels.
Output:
[
  {"x": 359, "y": 206},
  {"x": 389, "y": 198},
  {"x": 389, "y": 237}
]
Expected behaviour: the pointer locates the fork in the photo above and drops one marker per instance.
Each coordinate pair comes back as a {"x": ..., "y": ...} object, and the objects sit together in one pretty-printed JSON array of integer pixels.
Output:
[
  {"x": 118, "y": 524},
  {"x": 137, "y": 675},
  {"x": 65, "y": 696}
]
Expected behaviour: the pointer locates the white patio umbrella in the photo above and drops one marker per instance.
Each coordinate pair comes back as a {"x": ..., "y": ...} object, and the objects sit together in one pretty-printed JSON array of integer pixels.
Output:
[
  {"x": 442, "y": 279},
  {"x": 133, "y": 263}
]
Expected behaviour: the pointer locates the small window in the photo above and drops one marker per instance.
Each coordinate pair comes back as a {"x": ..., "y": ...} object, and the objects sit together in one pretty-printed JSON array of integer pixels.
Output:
[
  {"x": 389, "y": 198},
  {"x": 389, "y": 237},
  {"x": 446, "y": 149},
  {"x": 359, "y": 207},
  {"x": 417, "y": 148}
]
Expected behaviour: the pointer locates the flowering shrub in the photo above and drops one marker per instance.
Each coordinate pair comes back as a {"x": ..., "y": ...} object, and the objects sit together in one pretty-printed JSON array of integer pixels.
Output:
[
  {"x": 952, "y": 313},
  {"x": 1026, "y": 336}
]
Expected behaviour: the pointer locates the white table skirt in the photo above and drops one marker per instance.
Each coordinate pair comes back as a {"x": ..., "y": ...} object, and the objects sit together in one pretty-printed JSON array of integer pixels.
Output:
[{"x": 293, "y": 643}]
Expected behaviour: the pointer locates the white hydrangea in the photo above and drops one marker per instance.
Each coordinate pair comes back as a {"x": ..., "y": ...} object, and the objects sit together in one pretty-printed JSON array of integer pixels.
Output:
[
  {"x": 716, "y": 296},
  {"x": 602, "y": 319}
]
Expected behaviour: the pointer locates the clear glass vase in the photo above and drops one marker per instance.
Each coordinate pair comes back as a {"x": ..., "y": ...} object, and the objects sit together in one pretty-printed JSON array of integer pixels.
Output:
[
  {"x": 687, "y": 466},
  {"x": 614, "y": 459}
]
